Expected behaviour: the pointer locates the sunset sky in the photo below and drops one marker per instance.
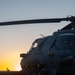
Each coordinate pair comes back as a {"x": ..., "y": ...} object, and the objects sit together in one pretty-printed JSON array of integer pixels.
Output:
[{"x": 18, "y": 39}]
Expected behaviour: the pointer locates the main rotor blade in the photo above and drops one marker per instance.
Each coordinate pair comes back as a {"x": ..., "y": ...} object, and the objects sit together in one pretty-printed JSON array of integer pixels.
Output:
[
  {"x": 30, "y": 21},
  {"x": 55, "y": 20}
]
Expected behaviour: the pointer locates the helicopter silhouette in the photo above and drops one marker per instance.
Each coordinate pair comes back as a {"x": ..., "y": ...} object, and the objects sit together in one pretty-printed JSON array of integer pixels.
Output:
[{"x": 50, "y": 55}]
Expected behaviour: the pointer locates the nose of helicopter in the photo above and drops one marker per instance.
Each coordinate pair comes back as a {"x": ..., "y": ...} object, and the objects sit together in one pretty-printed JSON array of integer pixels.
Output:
[
  {"x": 31, "y": 66},
  {"x": 31, "y": 63}
]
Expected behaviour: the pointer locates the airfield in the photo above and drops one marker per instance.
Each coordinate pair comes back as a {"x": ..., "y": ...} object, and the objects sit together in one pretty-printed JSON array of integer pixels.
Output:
[{"x": 11, "y": 73}]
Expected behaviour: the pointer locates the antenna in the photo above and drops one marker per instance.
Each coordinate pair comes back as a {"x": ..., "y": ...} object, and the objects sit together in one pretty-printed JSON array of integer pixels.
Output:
[{"x": 42, "y": 35}]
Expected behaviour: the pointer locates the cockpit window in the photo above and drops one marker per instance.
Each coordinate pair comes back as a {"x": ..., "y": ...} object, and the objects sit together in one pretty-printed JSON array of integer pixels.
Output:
[{"x": 37, "y": 44}]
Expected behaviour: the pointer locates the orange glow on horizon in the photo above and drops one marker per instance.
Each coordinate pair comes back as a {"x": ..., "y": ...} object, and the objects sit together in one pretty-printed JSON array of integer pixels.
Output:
[
  {"x": 10, "y": 61},
  {"x": 5, "y": 66},
  {"x": 11, "y": 65},
  {"x": 10, "y": 58}
]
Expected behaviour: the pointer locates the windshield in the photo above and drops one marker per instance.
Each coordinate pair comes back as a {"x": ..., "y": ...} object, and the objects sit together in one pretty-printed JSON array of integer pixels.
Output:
[{"x": 37, "y": 44}]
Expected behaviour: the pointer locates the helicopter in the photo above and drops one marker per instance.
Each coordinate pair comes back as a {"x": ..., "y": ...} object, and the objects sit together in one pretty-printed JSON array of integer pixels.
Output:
[{"x": 50, "y": 55}]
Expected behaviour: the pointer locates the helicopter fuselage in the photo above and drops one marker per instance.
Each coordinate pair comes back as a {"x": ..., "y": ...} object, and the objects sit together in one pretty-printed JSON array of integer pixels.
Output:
[{"x": 52, "y": 54}]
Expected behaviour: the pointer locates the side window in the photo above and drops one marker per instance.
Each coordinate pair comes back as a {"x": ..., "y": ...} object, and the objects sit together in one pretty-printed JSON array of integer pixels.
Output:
[
  {"x": 48, "y": 43},
  {"x": 65, "y": 42}
]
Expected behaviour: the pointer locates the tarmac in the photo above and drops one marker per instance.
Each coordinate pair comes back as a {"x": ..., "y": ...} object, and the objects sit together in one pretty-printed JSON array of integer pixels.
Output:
[{"x": 11, "y": 73}]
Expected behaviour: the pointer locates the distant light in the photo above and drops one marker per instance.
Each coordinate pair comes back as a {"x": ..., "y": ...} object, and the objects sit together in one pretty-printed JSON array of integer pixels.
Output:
[{"x": 18, "y": 68}]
